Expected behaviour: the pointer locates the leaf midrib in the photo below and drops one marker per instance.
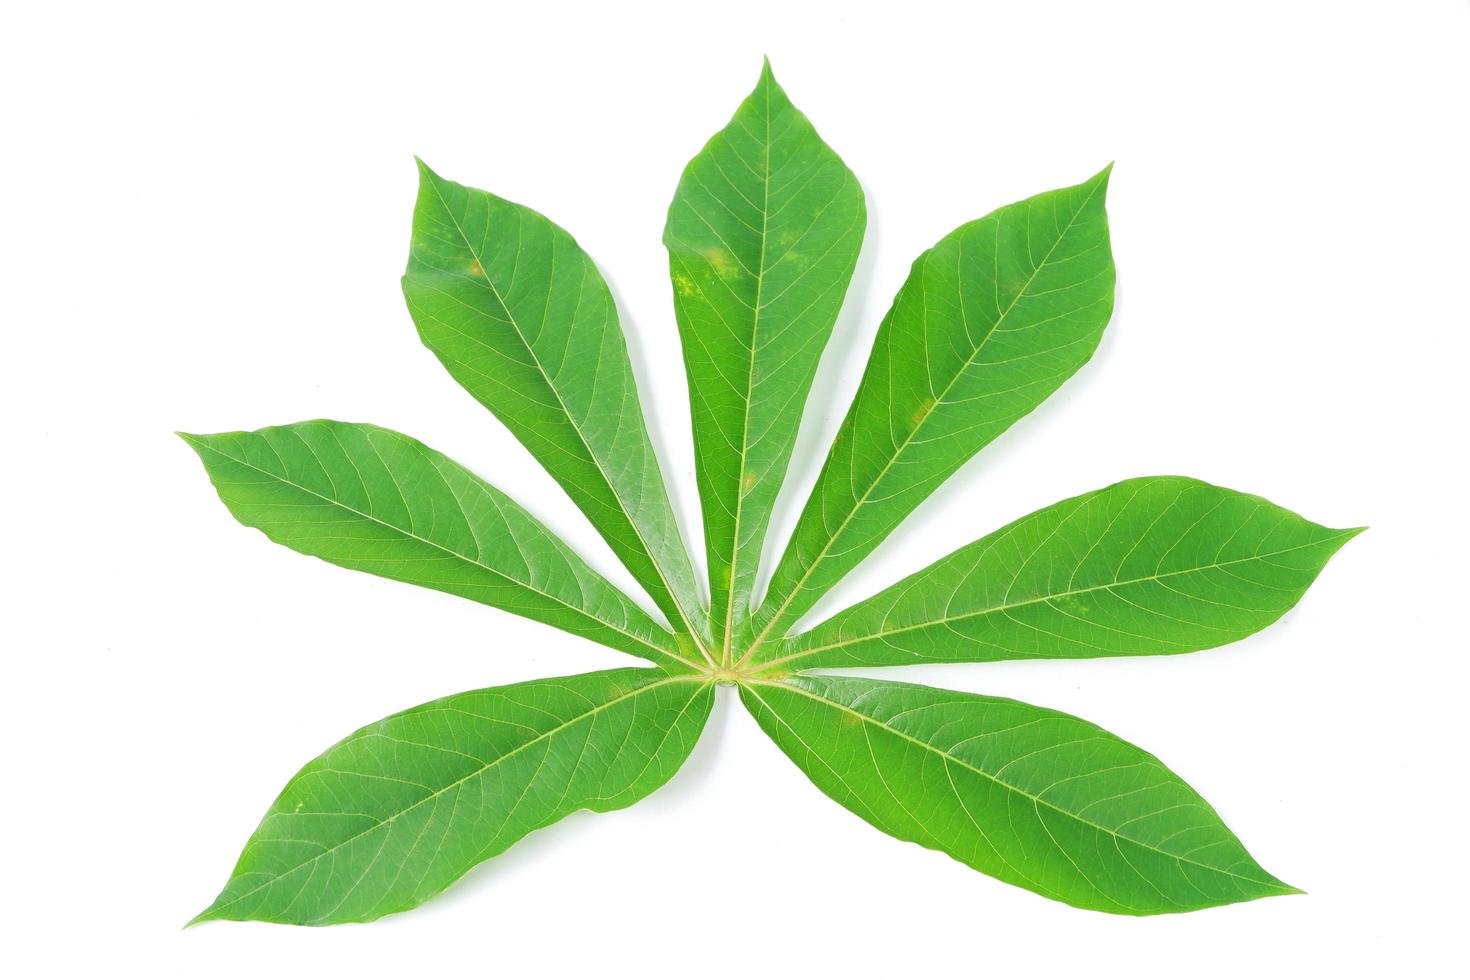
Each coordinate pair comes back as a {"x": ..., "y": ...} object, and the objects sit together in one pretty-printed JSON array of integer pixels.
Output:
[
  {"x": 453, "y": 553},
  {"x": 990, "y": 610},
  {"x": 1036, "y": 800},
  {"x": 811, "y": 567},
  {"x": 486, "y": 767},
  {"x": 727, "y": 653}
]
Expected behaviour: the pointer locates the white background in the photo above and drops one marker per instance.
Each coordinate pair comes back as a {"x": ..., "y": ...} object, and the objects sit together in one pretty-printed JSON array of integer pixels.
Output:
[{"x": 205, "y": 214}]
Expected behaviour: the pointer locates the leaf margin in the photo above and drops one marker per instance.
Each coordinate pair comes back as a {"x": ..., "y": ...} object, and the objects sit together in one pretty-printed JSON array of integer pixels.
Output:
[
  {"x": 732, "y": 573},
  {"x": 788, "y": 597},
  {"x": 1271, "y": 887},
  {"x": 653, "y": 641},
  {"x": 659, "y": 562},
  {"x": 799, "y": 652},
  {"x": 646, "y": 680}
]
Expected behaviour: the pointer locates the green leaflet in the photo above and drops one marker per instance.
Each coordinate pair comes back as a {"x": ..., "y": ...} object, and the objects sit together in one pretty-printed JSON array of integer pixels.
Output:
[
  {"x": 1033, "y": 797},
  {"x": 763, "y": 234},
  {"x": 397, "y": 811},
  {"x": 521, "y": 317},
  {"x": 1147, "y": 566},
  {"x": 990, "y": 322},
  {"x": 377, "y": 501}
]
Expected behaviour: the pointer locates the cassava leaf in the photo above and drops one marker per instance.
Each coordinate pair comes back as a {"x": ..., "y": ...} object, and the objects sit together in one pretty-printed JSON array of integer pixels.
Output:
[
  {"x": 396, "y": 812},
  {"x": 1148, "y": 566},
  {"x": 520, "y": 317},
  {"x": 762, "y": 235},
  {"x": 1033, "y": 797},
  {"x": 990, "y": 322},
  {"x": 377, "y": 501}
]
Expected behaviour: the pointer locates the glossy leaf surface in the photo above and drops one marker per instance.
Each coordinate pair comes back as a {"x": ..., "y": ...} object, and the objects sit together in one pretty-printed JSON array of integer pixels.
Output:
[
  {"x": 1033, "y": 797},
  {"x": 1148, "y": 566},
  {"x": 376, "y": 501},
  {"x": 521, "y": 317},
  {"x": 762, "y": 235},
  {"x": 990, "y": 322},
  {"x": 397, "y": 811}
]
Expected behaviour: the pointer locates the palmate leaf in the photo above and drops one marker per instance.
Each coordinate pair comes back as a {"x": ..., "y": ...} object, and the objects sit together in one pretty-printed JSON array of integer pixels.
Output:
[
  {"x": 395, "y": 812},
  {"x": 989, "y": 323},
  {"x": 762, "y": 236},
  {"x": 377, "y": 501},
  {"x": 1031, "y": 796},
  {"x": 1148, "y": 566},
  {"x": 521, "y": 317}
]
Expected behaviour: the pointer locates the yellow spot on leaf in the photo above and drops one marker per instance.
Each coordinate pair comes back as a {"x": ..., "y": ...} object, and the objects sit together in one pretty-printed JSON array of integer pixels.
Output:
[
  {"x": 475, "y": 269},
  {"x": 925, "y": 407},
  {"x": 720, "y": 261},
  {"x": 1076, "y": 605},
  {"x": 747, "y": 483},
  {"x": 683, "y": 284}
]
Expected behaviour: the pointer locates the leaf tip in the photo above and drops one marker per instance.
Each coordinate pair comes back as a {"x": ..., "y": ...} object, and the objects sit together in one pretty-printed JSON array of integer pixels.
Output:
[
  {"x": 1278, "y": 888},
  {"x": 1344, "y": 535},
  {"x": 767, "y": 78},
  {"x": 204, "y": 916},
  {"x": 426, "y": 173}
]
